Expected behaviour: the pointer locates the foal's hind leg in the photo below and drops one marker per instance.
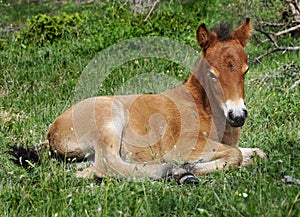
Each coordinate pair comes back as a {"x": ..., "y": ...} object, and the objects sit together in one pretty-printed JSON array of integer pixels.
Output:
[
  {"x": 108, "y": 162},
  {"x": 71, "y": 134}
]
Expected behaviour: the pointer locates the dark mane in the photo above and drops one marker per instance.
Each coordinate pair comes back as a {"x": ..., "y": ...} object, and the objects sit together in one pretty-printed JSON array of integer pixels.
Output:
[{"x": 223, "y": 31}]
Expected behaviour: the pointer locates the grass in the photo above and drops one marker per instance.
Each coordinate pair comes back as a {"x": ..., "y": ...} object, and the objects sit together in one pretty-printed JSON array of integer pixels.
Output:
[{"x": 38, "y": 83}]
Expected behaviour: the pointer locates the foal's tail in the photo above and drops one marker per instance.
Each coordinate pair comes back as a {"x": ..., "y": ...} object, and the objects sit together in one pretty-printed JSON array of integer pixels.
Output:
[{"x": 25, "y": 157}]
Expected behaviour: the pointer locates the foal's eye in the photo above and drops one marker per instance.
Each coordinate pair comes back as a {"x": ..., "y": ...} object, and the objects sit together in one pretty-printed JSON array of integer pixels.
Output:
[{"x": 212, "y": 75}]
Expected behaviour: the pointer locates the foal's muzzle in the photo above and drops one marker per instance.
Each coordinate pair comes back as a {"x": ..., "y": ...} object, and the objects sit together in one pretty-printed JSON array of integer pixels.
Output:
[
  {"x": 235, "y": 112},
  {"x": 237, "y": 120}
]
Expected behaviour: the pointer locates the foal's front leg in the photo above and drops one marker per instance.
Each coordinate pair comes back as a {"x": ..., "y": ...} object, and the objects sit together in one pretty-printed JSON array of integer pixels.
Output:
[
  {"x": 216, "y": 156},
  {"x": 249, "y": 153},
  {"x": 225, "y": 157}
]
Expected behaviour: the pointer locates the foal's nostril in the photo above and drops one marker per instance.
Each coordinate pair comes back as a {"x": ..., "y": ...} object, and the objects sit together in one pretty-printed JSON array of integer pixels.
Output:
[
  {"x": 245, "y": 113},
  {"x": 230, "y": 114}
]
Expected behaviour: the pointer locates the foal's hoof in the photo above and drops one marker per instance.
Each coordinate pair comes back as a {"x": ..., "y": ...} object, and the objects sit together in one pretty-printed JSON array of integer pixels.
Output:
[{"x": 188, "y": 178}]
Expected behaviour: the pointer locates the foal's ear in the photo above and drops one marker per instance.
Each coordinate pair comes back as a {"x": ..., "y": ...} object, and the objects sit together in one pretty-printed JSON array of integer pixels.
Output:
[
  {"x": 204, "y": 37},
  {"x": 243, "y": 32}
]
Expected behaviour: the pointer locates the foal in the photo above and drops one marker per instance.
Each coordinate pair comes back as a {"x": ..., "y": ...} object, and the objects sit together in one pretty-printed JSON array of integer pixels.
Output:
[{"x": 192, "y": 129}]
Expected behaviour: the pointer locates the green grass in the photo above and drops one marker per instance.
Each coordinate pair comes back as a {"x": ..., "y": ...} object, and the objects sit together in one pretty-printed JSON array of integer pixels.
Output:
[{"x": 38, "y": 83}]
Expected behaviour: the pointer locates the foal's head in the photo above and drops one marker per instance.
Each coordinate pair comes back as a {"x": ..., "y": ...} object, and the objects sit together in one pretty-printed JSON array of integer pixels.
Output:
[{"x": 223, "y": 49}]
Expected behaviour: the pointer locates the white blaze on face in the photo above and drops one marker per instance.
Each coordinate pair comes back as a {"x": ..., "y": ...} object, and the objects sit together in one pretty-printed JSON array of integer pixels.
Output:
[{"x": 234, "y": 108}]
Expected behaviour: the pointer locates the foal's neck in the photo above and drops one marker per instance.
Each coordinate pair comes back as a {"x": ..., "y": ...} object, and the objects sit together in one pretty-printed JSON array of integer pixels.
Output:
[{"x": 209, "y": 108}]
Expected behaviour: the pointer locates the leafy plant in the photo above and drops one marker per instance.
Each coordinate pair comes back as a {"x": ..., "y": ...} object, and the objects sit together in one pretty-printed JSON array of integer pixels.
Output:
[{"x": 43, "y": 29}]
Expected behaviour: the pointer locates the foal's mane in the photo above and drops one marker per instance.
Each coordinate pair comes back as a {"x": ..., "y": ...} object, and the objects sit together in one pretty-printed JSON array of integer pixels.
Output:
[{"x": 223, "y": 31}]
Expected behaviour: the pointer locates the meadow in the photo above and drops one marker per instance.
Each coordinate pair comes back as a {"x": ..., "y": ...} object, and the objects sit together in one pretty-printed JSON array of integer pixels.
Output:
[{"x": 46, "y": 46}]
